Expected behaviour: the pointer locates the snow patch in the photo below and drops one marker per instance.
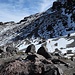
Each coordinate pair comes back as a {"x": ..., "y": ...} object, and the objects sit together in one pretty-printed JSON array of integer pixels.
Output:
[{"x": 62, "y": 43}]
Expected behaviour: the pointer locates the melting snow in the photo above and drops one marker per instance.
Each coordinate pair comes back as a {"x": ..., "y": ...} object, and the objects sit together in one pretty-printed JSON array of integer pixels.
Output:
[{"x": 62, "y": 43}]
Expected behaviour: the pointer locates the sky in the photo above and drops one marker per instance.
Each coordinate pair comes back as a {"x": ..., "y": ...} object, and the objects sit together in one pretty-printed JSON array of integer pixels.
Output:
[{"x": 16, "y": 10}]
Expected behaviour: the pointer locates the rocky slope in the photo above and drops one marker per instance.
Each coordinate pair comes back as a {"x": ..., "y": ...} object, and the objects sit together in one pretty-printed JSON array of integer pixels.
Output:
[
  {"x": 30, "y": 62},
  {"x": 57, "y": 21}
]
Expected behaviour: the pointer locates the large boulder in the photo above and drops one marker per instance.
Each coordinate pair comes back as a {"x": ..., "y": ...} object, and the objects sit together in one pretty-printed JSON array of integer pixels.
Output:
[
  {"x": 43, "y": 51},
  {"x": 30, "y": 49}
]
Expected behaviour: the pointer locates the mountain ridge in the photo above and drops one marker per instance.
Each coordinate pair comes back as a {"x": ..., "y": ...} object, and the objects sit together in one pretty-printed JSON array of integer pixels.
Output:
[{"x": 56, "y": 21}]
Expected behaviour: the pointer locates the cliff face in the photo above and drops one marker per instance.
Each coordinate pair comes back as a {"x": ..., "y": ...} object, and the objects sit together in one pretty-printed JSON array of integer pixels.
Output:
[{"x": 57, "y": 21}]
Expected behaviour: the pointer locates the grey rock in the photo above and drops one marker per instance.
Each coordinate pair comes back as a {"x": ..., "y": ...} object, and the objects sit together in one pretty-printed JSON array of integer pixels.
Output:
[
  {"x": 30, "y": 49},
  {"x": 11, "y": 49},
  {"x": 1, "y": 23}
]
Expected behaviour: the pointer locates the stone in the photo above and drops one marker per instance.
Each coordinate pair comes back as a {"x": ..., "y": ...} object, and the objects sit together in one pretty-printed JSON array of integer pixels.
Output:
[
  {"x": 1, "y": 51},
  {"x": 30, "y": 49},
  {"x": 57, "y": 52},
  {"x": 43, "y": 51},
  {"x": 11, "y": 49}
]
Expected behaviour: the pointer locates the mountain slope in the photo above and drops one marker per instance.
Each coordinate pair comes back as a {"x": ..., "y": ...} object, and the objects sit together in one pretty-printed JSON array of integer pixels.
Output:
[{"x": 57, "y": 21}]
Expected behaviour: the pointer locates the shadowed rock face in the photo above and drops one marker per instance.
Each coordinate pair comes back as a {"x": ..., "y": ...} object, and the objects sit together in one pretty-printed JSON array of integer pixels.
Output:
[
  {"x": 43, "y": 51},
  {"x": 1, "y": 51},
  {"x": 30, "y": 48}
]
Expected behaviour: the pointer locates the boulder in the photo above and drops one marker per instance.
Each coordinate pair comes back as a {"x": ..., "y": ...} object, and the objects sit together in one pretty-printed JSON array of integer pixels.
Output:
[
  {"x": 43, "y": 51},
  {"x": 40, "y": 42},
  {"x": 57, "y": 52},
  {"x": 1, "y": 23},
  {"x": 1, "y": 51},
  {"x": 11, "y": 50},
  {"x": 30, "y": 49}
]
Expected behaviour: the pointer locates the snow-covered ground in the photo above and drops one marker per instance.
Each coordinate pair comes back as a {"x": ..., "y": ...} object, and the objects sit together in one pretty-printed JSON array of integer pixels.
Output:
[
  {"x": 35, "y": 42},
  {"x": 62, "y": 44}
]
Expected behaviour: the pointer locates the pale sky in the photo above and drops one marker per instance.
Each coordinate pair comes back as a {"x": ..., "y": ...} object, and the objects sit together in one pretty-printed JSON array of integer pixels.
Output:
[{"x": 15, "y": 10}]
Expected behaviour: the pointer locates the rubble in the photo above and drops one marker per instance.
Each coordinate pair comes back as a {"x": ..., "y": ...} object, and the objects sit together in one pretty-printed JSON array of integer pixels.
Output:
[{"x": 34, "y": 63}]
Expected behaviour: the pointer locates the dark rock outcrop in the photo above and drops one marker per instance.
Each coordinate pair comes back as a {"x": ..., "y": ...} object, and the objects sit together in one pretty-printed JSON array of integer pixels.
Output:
[
  {"x": 43, "y": 51},
  {"x": 1, "y": 23},
  {"x": 1, "y": 51},
  {"x": 30, "y": 49}
]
